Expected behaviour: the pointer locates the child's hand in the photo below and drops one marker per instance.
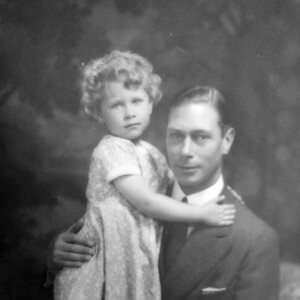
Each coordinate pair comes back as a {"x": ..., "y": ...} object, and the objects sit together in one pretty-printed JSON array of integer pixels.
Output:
[{"x": 218, "y": 214}]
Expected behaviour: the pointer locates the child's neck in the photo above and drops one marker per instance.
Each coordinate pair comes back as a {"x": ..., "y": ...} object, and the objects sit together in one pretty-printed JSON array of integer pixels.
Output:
[{"x": 134, "y": 141}]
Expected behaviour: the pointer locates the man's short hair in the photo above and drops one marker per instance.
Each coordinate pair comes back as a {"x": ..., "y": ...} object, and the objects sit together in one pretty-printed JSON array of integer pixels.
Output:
[{"x": 204, "y": 94}]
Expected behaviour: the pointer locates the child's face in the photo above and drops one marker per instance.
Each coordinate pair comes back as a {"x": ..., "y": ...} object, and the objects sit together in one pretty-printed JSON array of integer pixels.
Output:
[{"x": 125, "y": 112}]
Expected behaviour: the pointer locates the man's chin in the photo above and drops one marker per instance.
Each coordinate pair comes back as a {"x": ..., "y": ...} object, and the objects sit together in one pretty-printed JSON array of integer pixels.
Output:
[
  {"x": 187, "y": 181},
  {"x": 189, "y": 176}
]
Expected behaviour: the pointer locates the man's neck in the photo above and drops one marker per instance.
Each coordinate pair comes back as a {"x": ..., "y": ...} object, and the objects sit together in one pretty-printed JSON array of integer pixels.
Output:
[
  {"x": 188, "y": 190},
  {"x": 211, "y": 191}
]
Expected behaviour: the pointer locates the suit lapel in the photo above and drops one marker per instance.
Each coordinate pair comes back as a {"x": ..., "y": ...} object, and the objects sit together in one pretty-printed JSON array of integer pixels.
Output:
[
  {"x": 166, "y": 229},
  {"x": 205, "y": 247},
  {"x": 162, "y": 251}
]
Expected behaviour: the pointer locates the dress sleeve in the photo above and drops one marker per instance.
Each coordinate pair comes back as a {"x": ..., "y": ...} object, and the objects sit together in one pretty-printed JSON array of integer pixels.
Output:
[
  {"x": 161, "y": 164},
  {"x": 116, "y": 157}
]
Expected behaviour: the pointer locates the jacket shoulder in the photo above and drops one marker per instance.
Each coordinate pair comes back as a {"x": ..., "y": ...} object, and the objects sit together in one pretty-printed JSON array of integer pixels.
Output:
[{"x": 247, "y": 223}]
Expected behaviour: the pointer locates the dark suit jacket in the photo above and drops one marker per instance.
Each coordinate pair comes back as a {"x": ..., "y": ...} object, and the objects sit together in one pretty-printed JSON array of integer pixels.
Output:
[{"x": 243, "y": 258}]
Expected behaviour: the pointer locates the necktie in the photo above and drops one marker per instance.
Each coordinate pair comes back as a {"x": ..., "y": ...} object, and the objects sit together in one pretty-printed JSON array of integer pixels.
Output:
[{"x": 176, "y": 238}]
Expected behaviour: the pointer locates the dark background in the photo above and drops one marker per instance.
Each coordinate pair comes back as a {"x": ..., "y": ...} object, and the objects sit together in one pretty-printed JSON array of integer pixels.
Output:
[{"x": 250, "y": 50}]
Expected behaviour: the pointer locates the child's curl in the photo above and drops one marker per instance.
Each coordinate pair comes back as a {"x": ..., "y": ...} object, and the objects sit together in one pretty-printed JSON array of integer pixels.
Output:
[{"x": 131, "y": 69}]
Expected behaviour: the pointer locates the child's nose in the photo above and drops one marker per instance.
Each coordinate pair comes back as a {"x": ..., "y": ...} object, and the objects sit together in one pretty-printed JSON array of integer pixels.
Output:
[{"x": 129, "y": 112}]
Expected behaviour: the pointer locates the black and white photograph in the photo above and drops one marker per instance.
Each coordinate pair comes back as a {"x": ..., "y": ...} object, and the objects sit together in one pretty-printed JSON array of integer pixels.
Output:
[{"x": 150, "y": 150}]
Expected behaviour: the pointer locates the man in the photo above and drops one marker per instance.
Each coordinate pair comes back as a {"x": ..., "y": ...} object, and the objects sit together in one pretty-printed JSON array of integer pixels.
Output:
[{"x": 238, "y": 262}]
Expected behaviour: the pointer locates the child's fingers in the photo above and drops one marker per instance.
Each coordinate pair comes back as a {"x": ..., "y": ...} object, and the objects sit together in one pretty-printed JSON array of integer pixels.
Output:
[
  {"x": 229, "y": 218},
  {"x": 226, "y": 206},
  {"x": 229, "y": 212},
  {"x": 229, "y": 209},
  {"x": 227, "y": 222},
  {"x": 219, "y": 200}
]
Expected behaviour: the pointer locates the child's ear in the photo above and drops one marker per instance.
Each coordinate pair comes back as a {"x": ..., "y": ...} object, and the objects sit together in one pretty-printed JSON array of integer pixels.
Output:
[
  {"x": 99, "y": 117},
  {"x": 151, "y": 107}
]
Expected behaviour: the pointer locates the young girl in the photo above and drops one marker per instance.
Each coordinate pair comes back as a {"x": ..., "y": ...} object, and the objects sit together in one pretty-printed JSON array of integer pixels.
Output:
[{"x": 127, "y": 182}]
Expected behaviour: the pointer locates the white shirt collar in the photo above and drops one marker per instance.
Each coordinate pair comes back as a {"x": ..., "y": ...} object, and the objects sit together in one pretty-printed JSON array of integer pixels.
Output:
[{"x": 201, "y": 197}]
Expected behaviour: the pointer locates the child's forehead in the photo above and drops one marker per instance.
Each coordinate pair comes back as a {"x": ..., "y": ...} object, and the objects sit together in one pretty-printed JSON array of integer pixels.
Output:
[
  {"x": 130, "y": 85},
  {"x": 117, "y": 88}
]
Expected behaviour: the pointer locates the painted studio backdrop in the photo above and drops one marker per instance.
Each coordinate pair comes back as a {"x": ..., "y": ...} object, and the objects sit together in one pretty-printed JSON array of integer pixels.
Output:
[{"x": 250, "y": 50}]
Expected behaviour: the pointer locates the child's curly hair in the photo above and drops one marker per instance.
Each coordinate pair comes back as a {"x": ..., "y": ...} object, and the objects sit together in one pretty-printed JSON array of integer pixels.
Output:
[{"x": 131, "y": 69}]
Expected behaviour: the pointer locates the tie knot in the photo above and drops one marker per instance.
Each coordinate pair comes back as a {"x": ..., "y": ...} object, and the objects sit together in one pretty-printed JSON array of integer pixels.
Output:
[{"x": 184, "y": 199}]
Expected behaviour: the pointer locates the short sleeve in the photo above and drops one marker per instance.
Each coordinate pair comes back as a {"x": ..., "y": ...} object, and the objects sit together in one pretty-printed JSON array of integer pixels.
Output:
[
  {"x": 162, "y": 167},
  {"x": 116, "y": 157}
]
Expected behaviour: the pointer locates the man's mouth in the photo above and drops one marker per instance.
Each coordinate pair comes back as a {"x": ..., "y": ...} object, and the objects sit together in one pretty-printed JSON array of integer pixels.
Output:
[{"x": 188, "y": 168}]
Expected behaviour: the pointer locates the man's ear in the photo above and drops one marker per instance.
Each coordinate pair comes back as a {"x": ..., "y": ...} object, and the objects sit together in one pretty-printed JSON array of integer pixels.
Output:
[{"x": 228, "y": 139}]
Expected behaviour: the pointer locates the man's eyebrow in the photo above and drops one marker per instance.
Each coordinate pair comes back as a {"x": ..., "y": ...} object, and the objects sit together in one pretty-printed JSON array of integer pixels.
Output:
[
  {"x": 174, "y": 129},
  {"x": 200, "y": 131}
]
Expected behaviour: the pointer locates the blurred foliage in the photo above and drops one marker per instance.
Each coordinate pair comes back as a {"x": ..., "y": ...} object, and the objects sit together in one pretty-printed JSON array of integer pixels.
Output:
[
  {"x": 37, "y": 50},
  {"x": 290, "y": 278},
  {"x": 250, "y": 50}
]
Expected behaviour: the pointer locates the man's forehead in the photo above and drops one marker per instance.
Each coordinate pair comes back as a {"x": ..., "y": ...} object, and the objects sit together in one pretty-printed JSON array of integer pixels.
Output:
[{"x": 193, "y": 115}]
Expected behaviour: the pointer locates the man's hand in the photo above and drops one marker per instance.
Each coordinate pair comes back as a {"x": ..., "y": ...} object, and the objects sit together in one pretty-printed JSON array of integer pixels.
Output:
[{"x": 69, "y": 250}]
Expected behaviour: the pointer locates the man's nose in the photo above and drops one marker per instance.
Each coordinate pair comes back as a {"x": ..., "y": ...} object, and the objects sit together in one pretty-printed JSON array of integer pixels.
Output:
[
  {"x": 186, "y": 149},
  {"x": 129, "y": 112}
]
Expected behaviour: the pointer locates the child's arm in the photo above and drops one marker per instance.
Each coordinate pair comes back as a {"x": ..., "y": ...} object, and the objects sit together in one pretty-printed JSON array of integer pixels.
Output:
[{"x": 135, "y": 189}]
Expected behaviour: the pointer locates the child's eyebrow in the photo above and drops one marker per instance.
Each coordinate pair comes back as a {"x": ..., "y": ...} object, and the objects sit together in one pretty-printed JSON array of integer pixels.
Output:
[{"x": 115, "y": 100}]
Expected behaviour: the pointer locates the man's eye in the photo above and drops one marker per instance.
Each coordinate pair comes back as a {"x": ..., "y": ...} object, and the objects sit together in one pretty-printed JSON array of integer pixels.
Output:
[
  {"x": 201, "y": 138},
  {"x": 175, "y": 136}
]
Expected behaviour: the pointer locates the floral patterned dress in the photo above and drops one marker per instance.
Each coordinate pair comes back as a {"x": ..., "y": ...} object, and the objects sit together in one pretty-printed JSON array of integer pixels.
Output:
[{"x": 125, "y": 266}]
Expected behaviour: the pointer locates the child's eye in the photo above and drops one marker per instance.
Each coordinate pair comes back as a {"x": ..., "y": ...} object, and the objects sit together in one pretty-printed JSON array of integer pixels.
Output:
[
  {"x": 137, "y": 100},
  {"x": 116, "y": 106}
]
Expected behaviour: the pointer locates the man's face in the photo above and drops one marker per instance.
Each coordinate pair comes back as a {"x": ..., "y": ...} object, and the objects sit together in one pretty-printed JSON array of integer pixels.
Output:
[{"x": 195, "y": 145}]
